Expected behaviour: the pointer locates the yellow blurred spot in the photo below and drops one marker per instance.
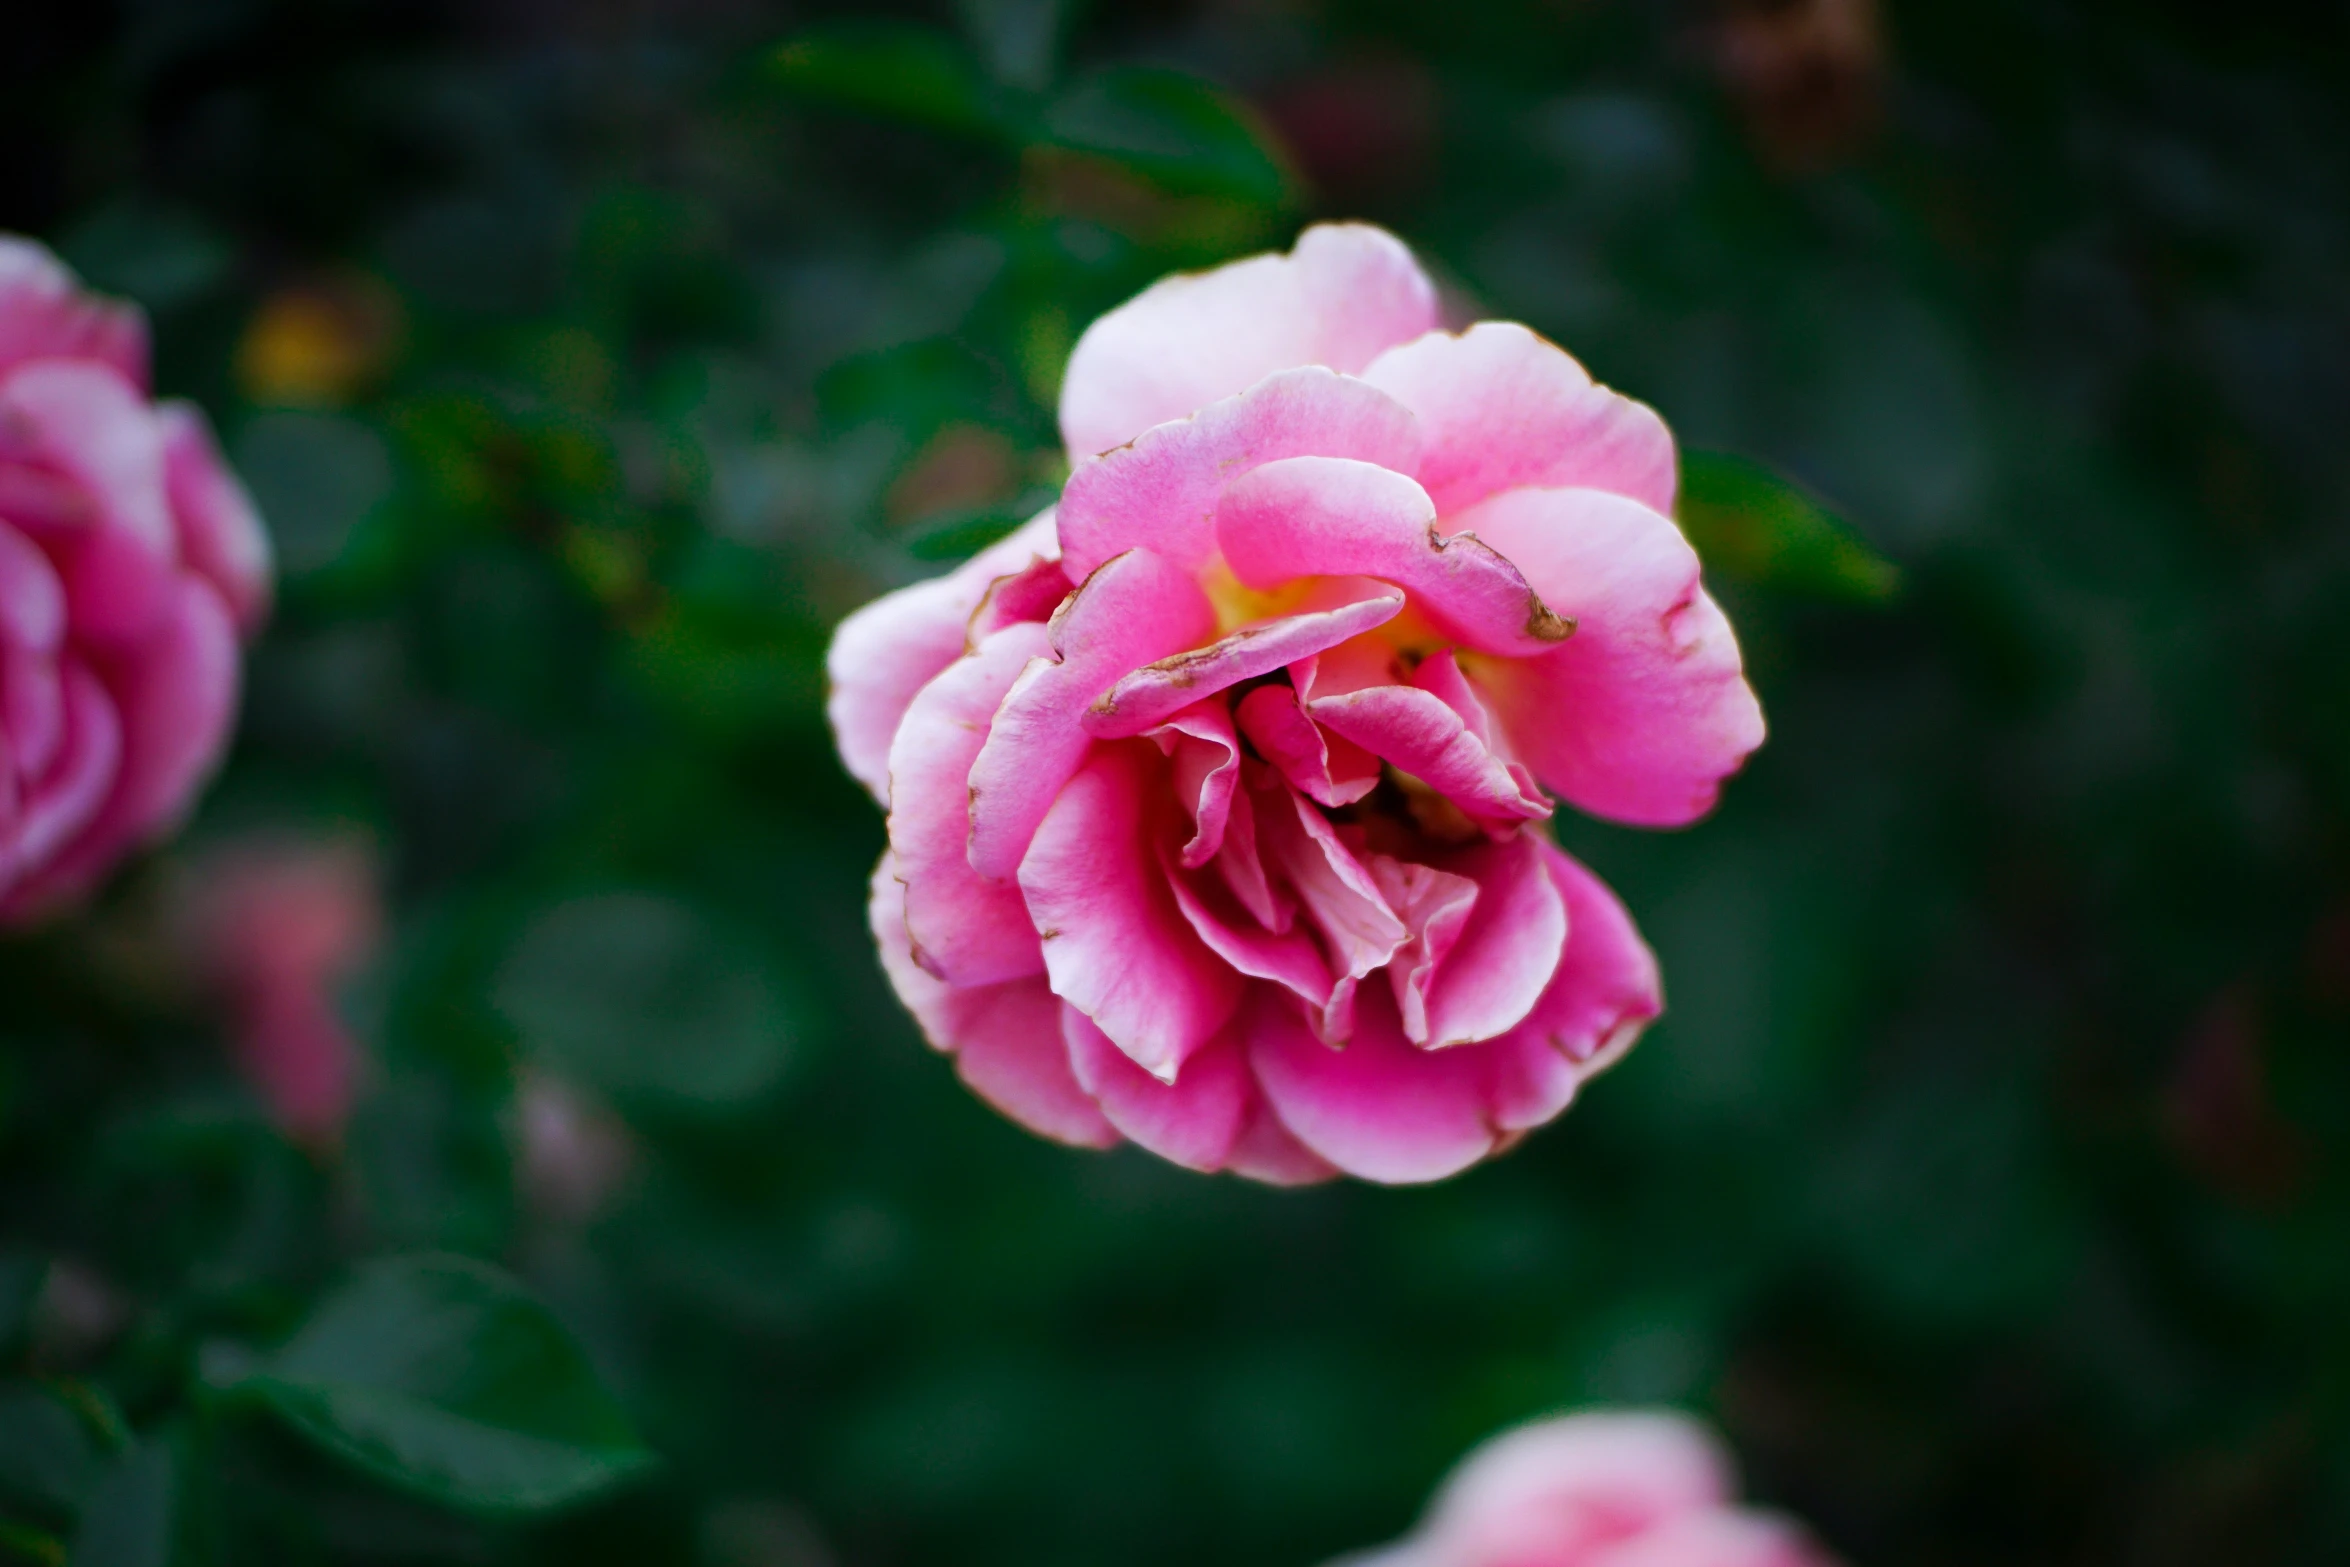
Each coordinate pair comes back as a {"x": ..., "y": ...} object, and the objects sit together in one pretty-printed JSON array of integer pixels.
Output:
[{"x": 318, "y": 345}]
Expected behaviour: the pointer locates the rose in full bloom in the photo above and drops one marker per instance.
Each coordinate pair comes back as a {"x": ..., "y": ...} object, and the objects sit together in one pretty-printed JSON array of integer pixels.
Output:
[
  {"x": 1630, "y": 1488},
  {"x": 131, "y": 561},
  {"x": 1216, "y": 794}
]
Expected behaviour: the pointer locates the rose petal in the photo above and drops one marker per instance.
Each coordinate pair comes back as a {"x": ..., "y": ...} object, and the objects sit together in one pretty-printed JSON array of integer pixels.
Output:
[
  {"x": 1192, "y": 1121},
  {"x": 1360, "y": 933},
  {"x": 1434, "y": 906},
  {"x": 1556, "y": 1489},
  {"x": 68, "y": 798},
  {"x": 1346, "y": 292},
  {"x": 1159, "y": 491},
  {"x": 32, "y": 599},
  {"x": 1501, "y": 408},
  {"x": 1604, "y": 992},
  {"x": 1325, "y": 767},
  {"x": 1287, "y": 958},
  {"x": 1006, "y": 1039},
  {"x": 1134, "y": 609},
  {"x": 1205, "y": 753},
  {"x": 45, "y": 315},
  {"x": 1116, "y": 946},
  {"x": 1508, "y": 951},
  {"x": 1645, "y": 710},
  {"x": 1379, "y": 1108},
  {"x": 83, "y": 422},
  {"x": 176, "y": 697},
  {"x": 1328, "y": 516},
  {"x": 1150, "y": 693},
  {"x": 1717, "y": 1539},
  {"x": 965, "y": 929},
  {"x": 893, "y": 647},
  {"x": 1421, "y": 734},
  {"x": 219, "y": 531}
]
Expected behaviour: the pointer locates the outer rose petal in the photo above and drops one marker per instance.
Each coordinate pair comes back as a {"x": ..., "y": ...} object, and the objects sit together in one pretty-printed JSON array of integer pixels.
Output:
[
  {"x": 1006, "y": 1039},
  {"x": 1159, "y": 491},
  {"x": 1134, "y": 609},
  {"x": 965, "y": 929},
  {"x": 1343, "y": 294},
  {"x": 1645, "y": 710},
  {"x": 32, "y": 600},
  {"x": 1334, "y": 516},
  {"x": 1555, "y": 1490},
  {"x": 176, "y": 696},
  {"x": 1729, "y": 1538},
  {"x": 45, "y": 315},
  {"x": 1503, "y": 408},
  {"x": 1116, "y": 947},
  {"x": 220, "y": 532},
  {"x": 1379, "y": 1108},
  {"x": 1192, "y": 1121},
  {"x": 884, "y": 653},
  {"x": 82, "y": 421},
  {"x": 84, "y": 762},
  {"x": 1606, "y": 989}
]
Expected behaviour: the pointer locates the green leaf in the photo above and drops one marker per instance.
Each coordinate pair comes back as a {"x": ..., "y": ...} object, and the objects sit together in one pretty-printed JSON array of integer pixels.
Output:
[
  {"x": 898, "y": 71},
  {"x": 440, "y": 1377},
  {"x": 1748, "y": 521},
  {"x": 640, "y": 996},
  {"x": 1176, "y": 131}
]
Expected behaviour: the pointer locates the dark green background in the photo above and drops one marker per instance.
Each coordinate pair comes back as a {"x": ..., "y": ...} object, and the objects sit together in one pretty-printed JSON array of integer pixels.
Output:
[{"x": 1986, "y": 1180}]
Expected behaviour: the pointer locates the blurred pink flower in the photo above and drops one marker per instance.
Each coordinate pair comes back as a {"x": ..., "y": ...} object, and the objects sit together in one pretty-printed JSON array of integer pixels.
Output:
[
  {"x": 1605, "y": 1489},
  {"x": 130, "y": 561},
  {"x": 1215, "y": 793},
  {"x": 276, "y": 927}
]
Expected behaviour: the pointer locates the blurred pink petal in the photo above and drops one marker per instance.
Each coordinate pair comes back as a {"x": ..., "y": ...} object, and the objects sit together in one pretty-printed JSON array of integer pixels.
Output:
[
  {"x": 220, "y": 533},
  {"x": 45, "y": 315}
]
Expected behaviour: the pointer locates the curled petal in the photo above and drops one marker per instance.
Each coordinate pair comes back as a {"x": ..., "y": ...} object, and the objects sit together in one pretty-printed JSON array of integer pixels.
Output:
[
  {"x": 1006, "y": 1039},
  {"x": 1148, "y": 695},
  {"x": 32, "y": 600},
  {"x": 1508, "y": 952},
  {"x": 884, "y": 653},
  {"x": 45, "y": 315},
  {"x": 965, "y": 929},
  {"x": 1159, "y": 491},
  {"x": 1360, "y": 933},
  {"x": 1420, "y": 733},
  {"x": 1503, "y": 408},
  {"x": 1346, "y": 292},
  {"x": 1286, "y": 957},
  {"x": 1116, "y": 947},
  {"x": 1335, "y": 516},
  {"x": 1645, "y": 710},
  {"x": 220, "y": 532},
  {"x": 1728, "y": 1538},
  {"x": 1134, "y": 609},
  {"x": 1325, "y": 767},
  {"x": 1434, "y": 906},
  {"x": 1205, "y": 754}
]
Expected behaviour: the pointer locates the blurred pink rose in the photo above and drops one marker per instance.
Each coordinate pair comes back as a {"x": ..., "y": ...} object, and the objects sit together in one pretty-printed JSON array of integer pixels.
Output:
[
  {"x": 276, "y": 928},
  {"x": 1215, "y": 793},
  {"x": 1612, "y": 1489},
  {"x": 130, "y": 561}
]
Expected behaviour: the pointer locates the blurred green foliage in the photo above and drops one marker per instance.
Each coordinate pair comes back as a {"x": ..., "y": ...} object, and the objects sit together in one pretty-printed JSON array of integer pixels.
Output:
[{"x": 1986, "y": 1177}]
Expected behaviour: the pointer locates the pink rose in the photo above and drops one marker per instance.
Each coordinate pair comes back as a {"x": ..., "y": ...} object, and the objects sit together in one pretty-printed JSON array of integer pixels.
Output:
[
  {"x": 276, "y": 928},
  {"x": 1214, "y": 794},
  {"x": 130, "y": 560},
  {"x": 1614, "y": 1489}
]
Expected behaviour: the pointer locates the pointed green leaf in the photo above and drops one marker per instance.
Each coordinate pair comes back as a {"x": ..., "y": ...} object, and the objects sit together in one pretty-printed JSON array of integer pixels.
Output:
[
  {"x": 440, "y": 1377},
  {"x": 1751, "y": 523}
]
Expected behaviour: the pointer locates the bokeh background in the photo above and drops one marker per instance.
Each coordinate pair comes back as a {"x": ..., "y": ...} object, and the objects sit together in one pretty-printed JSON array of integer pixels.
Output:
[{"x": 1987, "y": 1179}]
